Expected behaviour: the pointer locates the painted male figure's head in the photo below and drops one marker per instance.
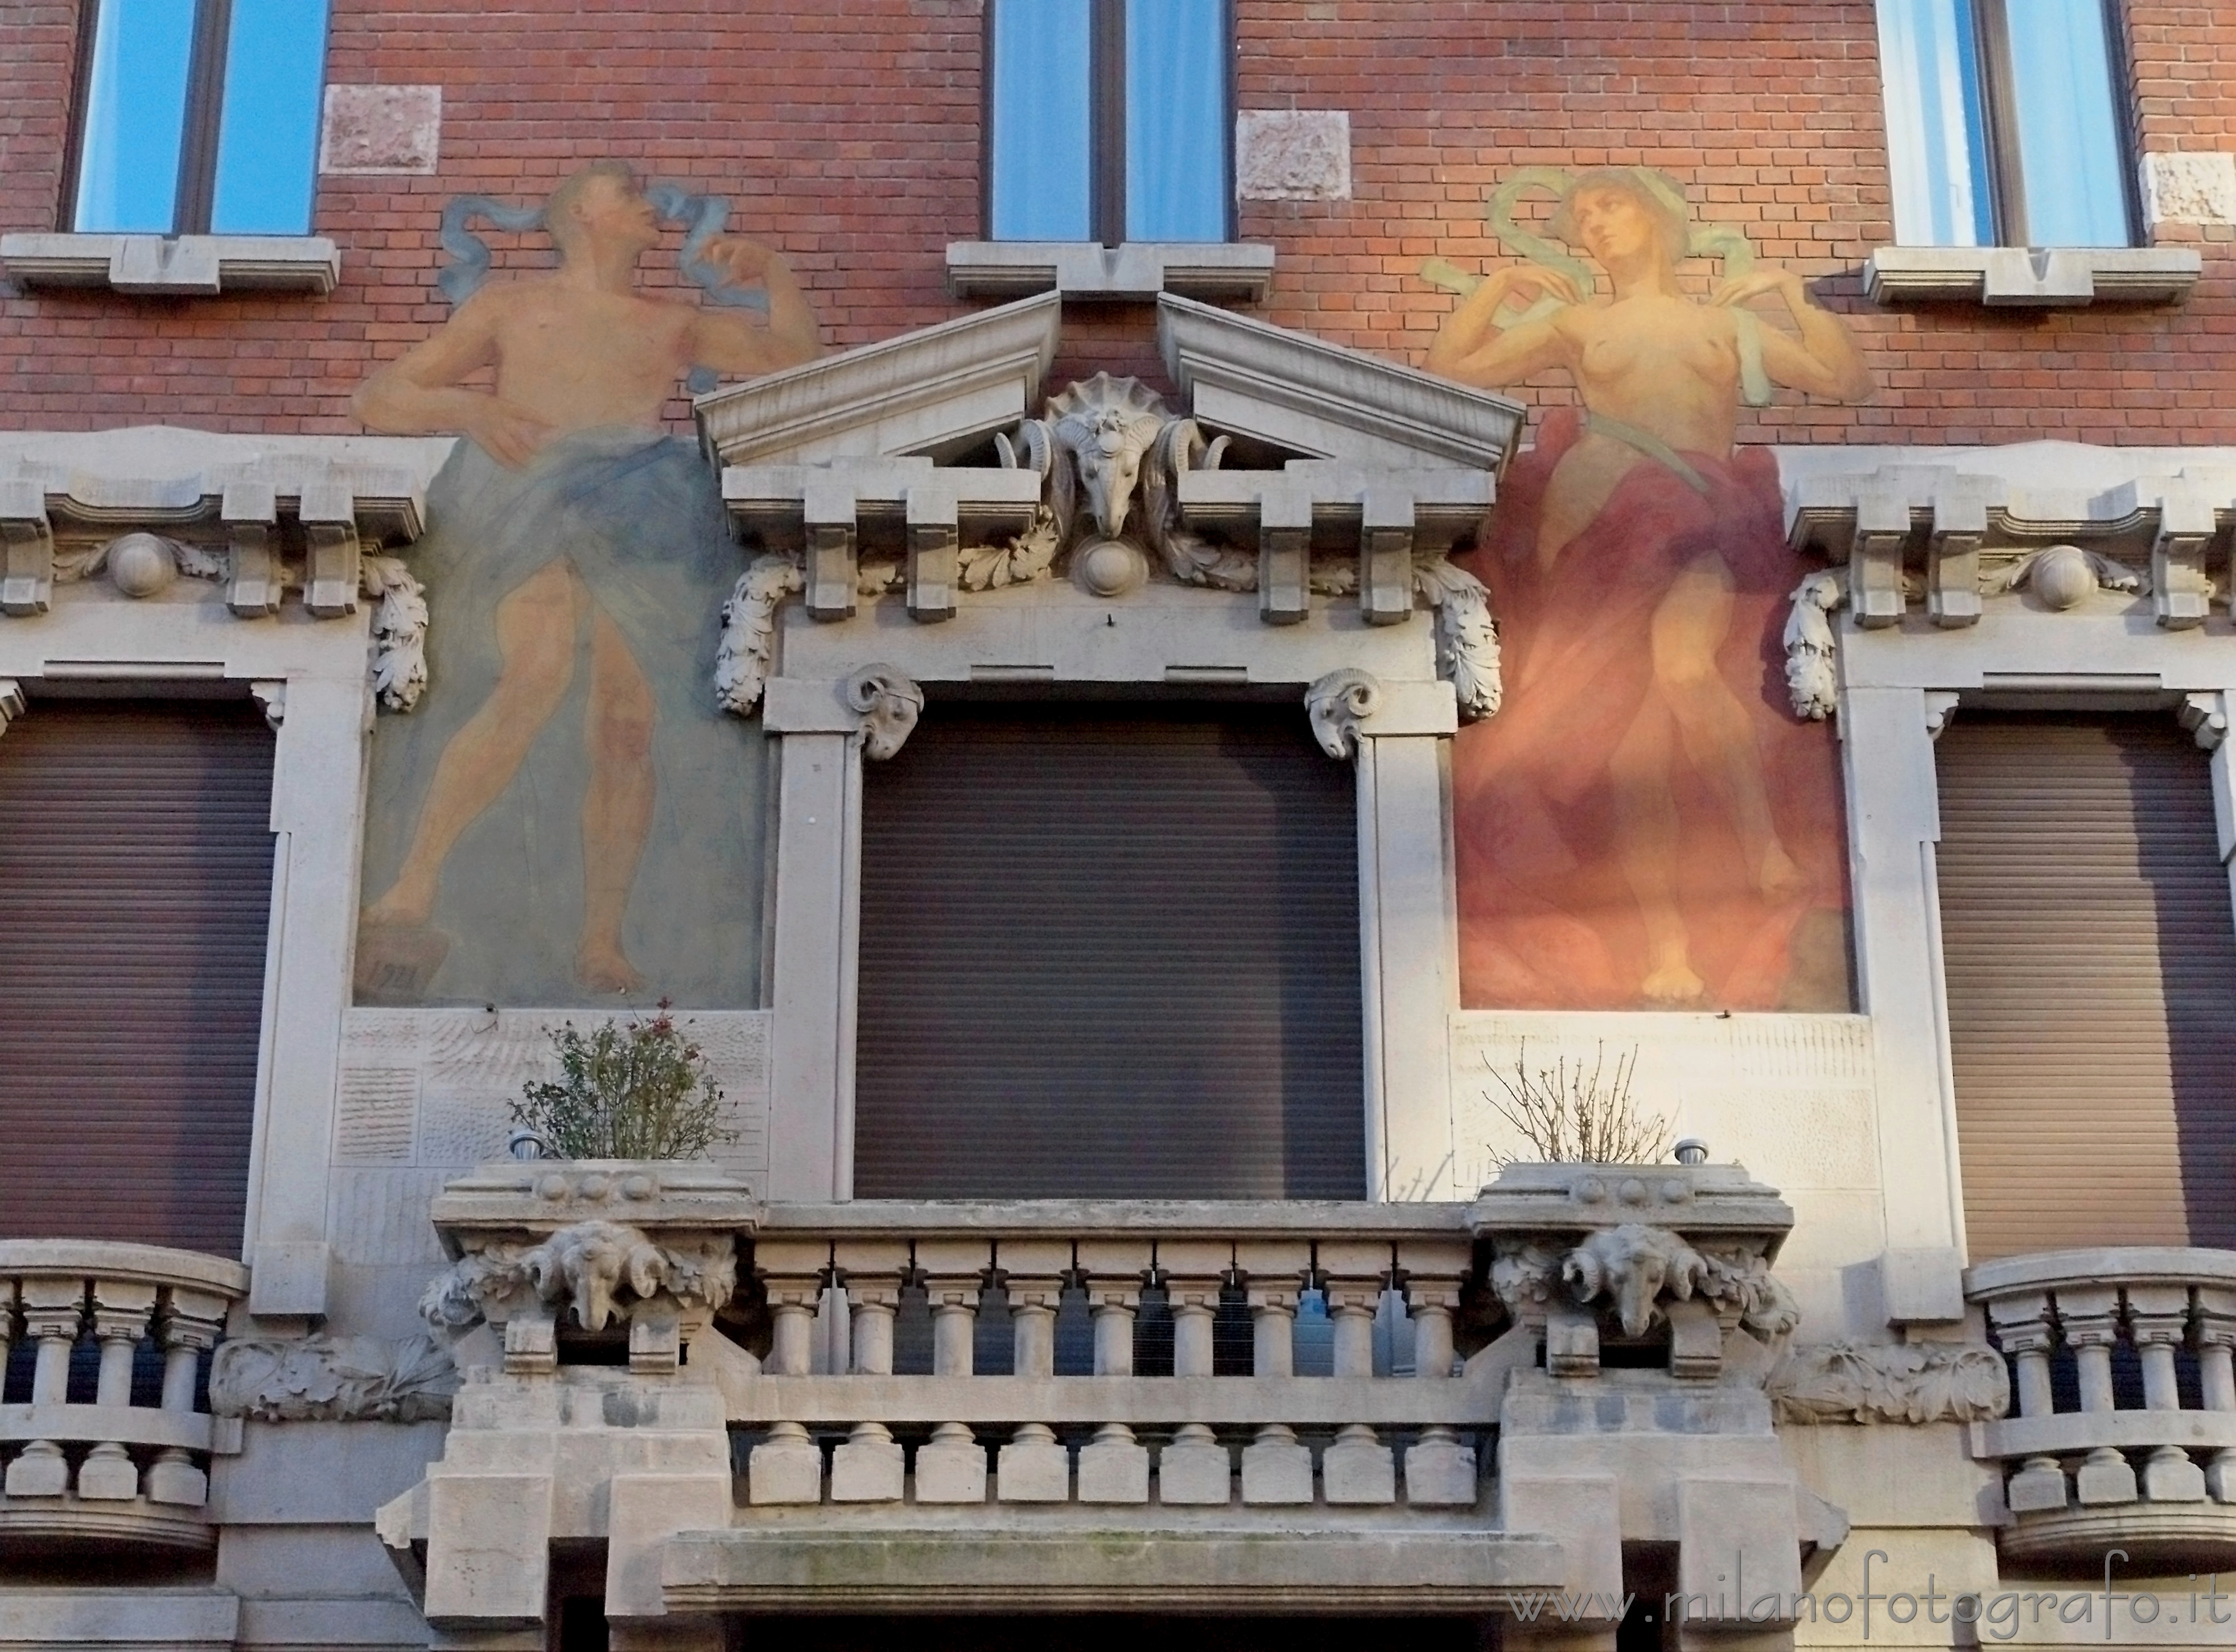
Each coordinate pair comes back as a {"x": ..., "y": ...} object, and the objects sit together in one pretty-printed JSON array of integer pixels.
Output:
[{"x": 601, "y": 207}]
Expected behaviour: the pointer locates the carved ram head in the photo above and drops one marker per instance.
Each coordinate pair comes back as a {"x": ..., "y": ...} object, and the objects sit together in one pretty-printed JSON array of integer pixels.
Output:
[
  {"x": 1105, "y": 427},
  {"x": 1633, "y": 1266}
]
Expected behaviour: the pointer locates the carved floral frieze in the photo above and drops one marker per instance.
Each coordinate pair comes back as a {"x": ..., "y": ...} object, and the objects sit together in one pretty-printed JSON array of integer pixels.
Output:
[
  {"x": 1896, "y": 1382},
  {"x": 332, "y": 1379}
]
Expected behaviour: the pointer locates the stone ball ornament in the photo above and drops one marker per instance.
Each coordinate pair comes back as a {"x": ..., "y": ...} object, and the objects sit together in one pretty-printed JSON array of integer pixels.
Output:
[
  {"x": 2062, "y": 577},
  {"x": 1110, "y": 567},
  {"x": 141, "y": 565}
]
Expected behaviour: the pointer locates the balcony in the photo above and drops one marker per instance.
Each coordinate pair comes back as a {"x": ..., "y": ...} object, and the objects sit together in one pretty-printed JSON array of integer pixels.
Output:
[
  {"x": 2126, "y": 1432},
  {"x": 109, "y": 1471},
  {"x": 895, "y": 1407}
]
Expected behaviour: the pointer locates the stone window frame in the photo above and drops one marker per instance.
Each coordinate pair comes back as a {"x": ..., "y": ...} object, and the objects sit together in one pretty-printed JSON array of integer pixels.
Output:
[
  {"x": 225, "y": 620},
  {"x": 1930, "y": 606}
]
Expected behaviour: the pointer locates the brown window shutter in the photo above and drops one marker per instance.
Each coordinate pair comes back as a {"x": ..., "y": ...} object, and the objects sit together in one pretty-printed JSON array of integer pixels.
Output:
[
  {"x": 1109, "y": 952},
  {"x": 135, "y": 881},
  {"x": 2091, "y": 962}
]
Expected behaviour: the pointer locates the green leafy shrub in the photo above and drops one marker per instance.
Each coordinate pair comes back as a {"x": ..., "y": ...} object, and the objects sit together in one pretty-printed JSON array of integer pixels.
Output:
[{"x": 634, "y": 1090}]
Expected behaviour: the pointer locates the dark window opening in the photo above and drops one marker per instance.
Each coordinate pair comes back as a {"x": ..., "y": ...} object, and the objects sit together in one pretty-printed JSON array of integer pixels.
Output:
[
  {"x": 1109, "y": 952},
  {"x": 135, "y": 885}
]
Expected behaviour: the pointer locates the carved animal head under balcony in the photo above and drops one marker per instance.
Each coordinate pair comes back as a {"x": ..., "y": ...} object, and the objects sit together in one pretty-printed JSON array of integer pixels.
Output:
[
  {"x": 1105, "y": 427},
  {"x": 1633, "y": 1266}
]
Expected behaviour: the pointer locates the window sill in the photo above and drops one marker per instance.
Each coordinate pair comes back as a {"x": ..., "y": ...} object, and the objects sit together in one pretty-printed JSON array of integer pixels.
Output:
[
  {"x": 2031, "y": 277},
  {"x": 1217, "y": 272},
  {"x": 174, "y": 266}
]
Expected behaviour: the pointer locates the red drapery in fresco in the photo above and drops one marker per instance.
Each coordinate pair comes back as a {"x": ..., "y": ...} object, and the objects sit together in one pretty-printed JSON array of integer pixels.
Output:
[{"x": 1547, "y": 918}]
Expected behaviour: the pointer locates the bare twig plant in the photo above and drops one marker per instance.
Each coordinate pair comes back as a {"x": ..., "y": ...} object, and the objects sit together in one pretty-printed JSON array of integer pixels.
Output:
[
  {"x": 1580, "y": 1115},
  {"x": 637, "y": 1090}
]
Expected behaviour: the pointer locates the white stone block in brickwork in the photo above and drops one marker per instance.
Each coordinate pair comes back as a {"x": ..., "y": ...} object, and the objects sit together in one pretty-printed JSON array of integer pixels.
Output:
[
  {"x": 381, "y": 129},
  {"x": 1293, "y": 154},
  {"x": 2190, "y": 189}
]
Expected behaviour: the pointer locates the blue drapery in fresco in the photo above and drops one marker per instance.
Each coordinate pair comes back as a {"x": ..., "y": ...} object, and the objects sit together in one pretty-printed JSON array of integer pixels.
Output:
[{"x": 639, "y": 517}]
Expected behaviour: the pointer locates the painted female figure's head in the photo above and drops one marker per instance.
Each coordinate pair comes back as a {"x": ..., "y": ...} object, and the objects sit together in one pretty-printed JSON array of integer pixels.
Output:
[{"x": 1618, "y": 216}]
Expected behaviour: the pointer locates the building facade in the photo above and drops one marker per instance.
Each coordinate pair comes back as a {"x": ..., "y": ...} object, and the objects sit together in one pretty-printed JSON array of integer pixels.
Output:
[{"x": 1441, "y": 788}]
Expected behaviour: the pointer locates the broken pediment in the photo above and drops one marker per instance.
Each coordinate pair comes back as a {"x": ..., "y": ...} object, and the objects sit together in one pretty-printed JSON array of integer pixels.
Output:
[{"x": 1304, "y": 472}]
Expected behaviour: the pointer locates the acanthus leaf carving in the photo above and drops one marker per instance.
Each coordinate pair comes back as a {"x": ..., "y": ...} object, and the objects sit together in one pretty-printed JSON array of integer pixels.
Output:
[
  {"x": 339, "y": 1380},
  {"x": 1190, "y": 557},
  {"x": 1812, "y": 682},
  {"x": 1896, "y": 1382},
  {"x": 748, "y": 647},
  {"x": 1467, "y": 636},
  {"x": 398, "y": 665},
  {"x": 598, "y": 1268},
  {"x": 1017, "y": 560}
]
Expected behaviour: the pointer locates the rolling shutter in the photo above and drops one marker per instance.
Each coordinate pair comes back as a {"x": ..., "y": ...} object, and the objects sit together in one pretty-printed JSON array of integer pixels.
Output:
[
  {"x": 135, "y": 880},
  {"x": 2091, "y": 962},
  {"x": 1109, "y": 952}
]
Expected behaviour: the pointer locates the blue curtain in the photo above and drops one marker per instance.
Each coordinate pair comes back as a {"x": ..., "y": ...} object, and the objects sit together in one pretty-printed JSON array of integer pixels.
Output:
[
  {"x": 1042, "y": 115},
  {"x": 268, "y": 133},
  {"x": 1176, "y": 120},
  {"x": 136, "y": 112},
  {"x": 2070, "y": 149},
  {"x": 1937, "y": 124}
]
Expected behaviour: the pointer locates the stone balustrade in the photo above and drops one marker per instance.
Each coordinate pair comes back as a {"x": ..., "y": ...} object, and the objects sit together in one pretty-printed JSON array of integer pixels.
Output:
[
  {"x": 2125, "y": 1430},
  {"x": 946, "y": 1432},
  {"x": 99, "y": 1468}
]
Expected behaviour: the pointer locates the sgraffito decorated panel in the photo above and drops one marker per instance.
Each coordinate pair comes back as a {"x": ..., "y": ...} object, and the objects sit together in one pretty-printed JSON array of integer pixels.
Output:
[
  {"x": 1644, "y": 823},
  {"x": 567, "y": 817}
]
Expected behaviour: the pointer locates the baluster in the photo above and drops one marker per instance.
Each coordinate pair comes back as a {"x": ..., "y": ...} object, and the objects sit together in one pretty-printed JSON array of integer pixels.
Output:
[
  {"x": 122, "y": 1312},
  {"x": 2216, "y": 1337},
  {"x": 2158, "y": 1319},
  {"x": 1114, "y": 1467},
  {"x": 792, "y": 1270},
  {"x": 1277, "y": 1467},
  {"x": 53, "y": 1312},
  {"x": 188, "y": 1328},
  {"x": 1195, "y": 1468},
  {"x": 1354, "y": 1274},
  {"x": 2090, "y": 1316},
  {"x": 1440, "y": 1472},
  {"x": 2023, "y": 1326},
  {"x": 1034, "y": 1466},
  {"x": 869, "y": 1466},
  {"x": 951, "y": 1467}
]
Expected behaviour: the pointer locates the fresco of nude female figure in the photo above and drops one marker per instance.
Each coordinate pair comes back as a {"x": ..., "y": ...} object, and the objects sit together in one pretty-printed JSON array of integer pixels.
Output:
[{"x": 1659, "y": 374}]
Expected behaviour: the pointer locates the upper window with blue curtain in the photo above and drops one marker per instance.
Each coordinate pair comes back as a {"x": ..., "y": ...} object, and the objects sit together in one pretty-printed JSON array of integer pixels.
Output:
[
  {"x": 199, "y": 116},
  {"x": 1110, "y": 119},
  {"x": 2005, "y": 124}
]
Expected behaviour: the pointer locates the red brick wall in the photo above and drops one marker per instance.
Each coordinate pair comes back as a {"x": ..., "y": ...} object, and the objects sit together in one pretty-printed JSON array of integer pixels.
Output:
[{"x": 847, "y": 131}]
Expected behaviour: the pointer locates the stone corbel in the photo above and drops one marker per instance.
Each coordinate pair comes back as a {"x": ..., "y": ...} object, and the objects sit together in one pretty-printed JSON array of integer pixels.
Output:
[
  {"x": 330, "y": 573},
  {"x": 828, "y": 507},
  {"x": 1385, "y": 556},
  {"x": 1337, "y": 704},
  {"x": 1952, "y": 556},
  {"x": 1285, "y": 553},
  {"x": 12, "y": 704},
  {"x": 2180, "y": 590},
  {"x": 889, "y": 704},
  {"x": 27, "y": 549},
  {"x": 1940, "y": 706},
  {"x": 934, "y": 541},
  {"x": 272, "y": 696},
  {"x": 1875, "y": 580},
  {"x": 250, "y": 511}
]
